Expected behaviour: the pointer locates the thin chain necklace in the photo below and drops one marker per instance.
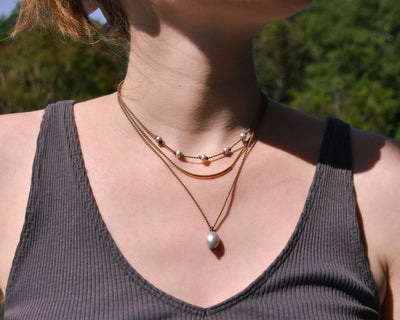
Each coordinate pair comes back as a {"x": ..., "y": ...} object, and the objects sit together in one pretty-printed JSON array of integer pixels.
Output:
[
  {"x": 142, "y": 133},
  {"x": 203, "y": 157},
  {"x": 212, "y": 238}
]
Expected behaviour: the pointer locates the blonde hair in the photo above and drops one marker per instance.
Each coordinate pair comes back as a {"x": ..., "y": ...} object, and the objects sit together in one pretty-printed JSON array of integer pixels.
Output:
[{"x": 69, "y": 17}]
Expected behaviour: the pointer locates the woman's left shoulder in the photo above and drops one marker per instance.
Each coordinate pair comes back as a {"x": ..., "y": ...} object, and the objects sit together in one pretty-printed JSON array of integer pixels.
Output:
[
  {"x": 376, "y": 158},
  {"x": 376, "y": 166}
]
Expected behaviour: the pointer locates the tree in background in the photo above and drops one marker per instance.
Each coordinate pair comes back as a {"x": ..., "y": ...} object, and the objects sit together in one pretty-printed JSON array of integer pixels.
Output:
[
  {"x": 41, "y": 67},
  {"x": 338, "y": 58}
]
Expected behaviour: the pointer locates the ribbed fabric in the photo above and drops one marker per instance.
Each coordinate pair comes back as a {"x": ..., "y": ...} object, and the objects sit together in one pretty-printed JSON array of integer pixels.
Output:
[{"x": 67, "y": 266}]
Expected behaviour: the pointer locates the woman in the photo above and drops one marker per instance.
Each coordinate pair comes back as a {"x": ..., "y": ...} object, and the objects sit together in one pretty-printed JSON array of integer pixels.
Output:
[{"x": 115, "y": 226}]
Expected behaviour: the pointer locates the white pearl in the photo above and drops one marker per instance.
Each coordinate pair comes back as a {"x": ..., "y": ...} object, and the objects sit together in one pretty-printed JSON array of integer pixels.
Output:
[
  {"x": 178, "y": 153},
  {"x": 243, "y": 136},
  {"x": 203, "y": 157},
  {"x": 227, "y": 150},
  {"x": 212, "y": 240}
]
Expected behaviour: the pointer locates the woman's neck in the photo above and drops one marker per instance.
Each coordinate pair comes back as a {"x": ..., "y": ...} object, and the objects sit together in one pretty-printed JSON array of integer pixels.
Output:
[
  {"x": 190, "y": 79},
  {"x": 193, "y": 84}
]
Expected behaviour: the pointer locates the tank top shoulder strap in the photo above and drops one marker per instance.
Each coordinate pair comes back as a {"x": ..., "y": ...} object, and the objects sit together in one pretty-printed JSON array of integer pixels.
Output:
[
  {"x": 337, "y": 201},
  {"x": 54, "y": 142},
  {"x": 326, "y": 251},
  {"x": 55, "y": 131},
  {"x": 336, "y": 146}
]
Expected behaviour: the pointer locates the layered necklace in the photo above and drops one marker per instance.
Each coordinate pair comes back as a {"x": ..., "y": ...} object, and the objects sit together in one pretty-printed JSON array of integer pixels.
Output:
[{"x": 242, "y": 145}]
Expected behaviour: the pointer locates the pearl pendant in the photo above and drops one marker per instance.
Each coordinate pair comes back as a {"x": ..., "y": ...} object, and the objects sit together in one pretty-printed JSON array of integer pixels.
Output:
[
  {"x": 203, "y": 158},
  {"x": 212, "y": 240}
]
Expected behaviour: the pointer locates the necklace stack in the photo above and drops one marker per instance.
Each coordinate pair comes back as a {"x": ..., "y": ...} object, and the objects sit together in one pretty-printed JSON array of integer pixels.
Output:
[
  {"x": 155, "y": 143},
  {"x": 180, "y": 155}
]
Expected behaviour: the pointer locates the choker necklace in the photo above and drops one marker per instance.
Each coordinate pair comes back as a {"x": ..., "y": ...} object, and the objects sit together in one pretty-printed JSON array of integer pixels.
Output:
[
  {"x": 212, "y": 238},
  {"x": 203, "y": 157},
  {"x": 142, "y": 133}
]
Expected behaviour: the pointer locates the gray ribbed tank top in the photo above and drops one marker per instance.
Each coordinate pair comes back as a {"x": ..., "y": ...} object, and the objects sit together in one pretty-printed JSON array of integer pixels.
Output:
[{"x": 67, "y": 266}]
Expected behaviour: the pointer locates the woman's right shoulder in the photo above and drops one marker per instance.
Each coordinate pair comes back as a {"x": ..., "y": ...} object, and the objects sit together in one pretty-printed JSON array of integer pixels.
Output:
[{"x": 18, "y": 134}]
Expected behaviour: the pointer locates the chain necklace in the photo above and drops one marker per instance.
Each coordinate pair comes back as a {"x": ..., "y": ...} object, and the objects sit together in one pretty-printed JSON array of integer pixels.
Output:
[
  {"x": 212, "y": 238},
  {"x": 143, "y": 134},
  {"x": 177, "y": 152}
]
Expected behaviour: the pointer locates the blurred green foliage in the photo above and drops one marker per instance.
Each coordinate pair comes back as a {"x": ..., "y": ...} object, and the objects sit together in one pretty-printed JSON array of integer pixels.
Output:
[
  {"x": 338, "y": 58},
  {"x": 40, "y": 67}
]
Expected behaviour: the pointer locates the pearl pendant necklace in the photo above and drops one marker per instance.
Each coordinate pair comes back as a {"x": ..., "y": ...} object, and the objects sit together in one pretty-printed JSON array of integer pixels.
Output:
[
  {"x": 248, "y": 138},
  {"x": 212, "y": 239}
]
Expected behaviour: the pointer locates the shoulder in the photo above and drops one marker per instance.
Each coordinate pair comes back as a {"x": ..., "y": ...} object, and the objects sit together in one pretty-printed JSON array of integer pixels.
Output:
[
  {"x": 376, "y": 162},
  {"x": 14, "y": 120},
  {"x": 376, "y": 166},
  {"x": 18, "y": 133},
  {"x": 293, "y": 132}
]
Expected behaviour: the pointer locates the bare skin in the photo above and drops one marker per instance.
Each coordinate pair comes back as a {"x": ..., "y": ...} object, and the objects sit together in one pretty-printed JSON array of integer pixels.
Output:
[{"x": 194, "y": 82}]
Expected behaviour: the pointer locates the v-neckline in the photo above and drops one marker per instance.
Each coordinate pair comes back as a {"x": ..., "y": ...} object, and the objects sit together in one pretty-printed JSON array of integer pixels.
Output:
[{"x": 129, "y": 270}]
